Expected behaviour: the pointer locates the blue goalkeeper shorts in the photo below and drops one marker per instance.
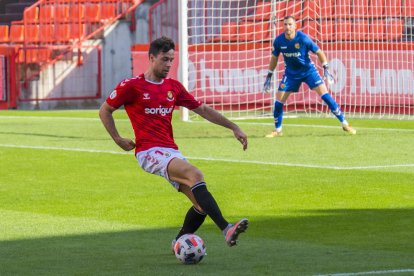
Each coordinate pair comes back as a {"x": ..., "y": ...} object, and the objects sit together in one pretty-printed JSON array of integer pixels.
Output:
[{"x": 290, "y": 84}]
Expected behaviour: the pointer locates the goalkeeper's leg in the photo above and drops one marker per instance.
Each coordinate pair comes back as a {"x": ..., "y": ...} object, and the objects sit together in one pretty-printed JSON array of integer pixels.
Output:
[
  {"x": 278, "y": 117},
  {"x": 278, "y": 114},
  {"x": 334, "y": 107}
]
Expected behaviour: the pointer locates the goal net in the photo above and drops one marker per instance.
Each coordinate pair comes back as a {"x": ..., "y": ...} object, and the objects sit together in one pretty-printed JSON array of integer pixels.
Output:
[{"x": 369, "y": 44}]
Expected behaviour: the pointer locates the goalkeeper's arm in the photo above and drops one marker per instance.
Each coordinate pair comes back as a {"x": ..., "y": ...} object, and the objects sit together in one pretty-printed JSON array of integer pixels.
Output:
[
  {"x": 272, "y": 66},
  {"x": 326, "y": 74}
]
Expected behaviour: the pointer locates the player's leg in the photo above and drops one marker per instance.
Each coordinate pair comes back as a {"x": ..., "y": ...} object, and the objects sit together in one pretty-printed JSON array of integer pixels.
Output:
[
  {"x": 194, "y": 218},
  {"x": 156, "y": 161},
  {"x": 182, "y": 172},
  {"x": 286, "y": 87},
  {"x": 195, "y": 215},
  {"x": 315, "y": 82}
]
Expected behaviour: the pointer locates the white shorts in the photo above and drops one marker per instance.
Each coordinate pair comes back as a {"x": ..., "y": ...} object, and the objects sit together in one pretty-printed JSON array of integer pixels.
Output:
[{"x": 155, "y": 160}]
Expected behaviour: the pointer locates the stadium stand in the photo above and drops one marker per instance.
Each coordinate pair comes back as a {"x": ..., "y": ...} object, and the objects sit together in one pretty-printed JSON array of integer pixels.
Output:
[
  {"x": 11, "y": 10},
  {"x": 280, "y": 10},
  {"x": 229, "y": 31},
  {"x": 393, "y": 8},
  {"x": 262, "y": 12},
  {"x": 376, "y": 9},
  {"x": 360, "y": 30},
  {"x": 16, "y": 33},
  {"x": 360, "y": 8},
  {"x": 327, "y": 20},
  {"x": 327, "y": 30},
  {"x": 326, "y": 9},
  {"x": 31, "y": 15},
  {"x": 4, "y": 34},
  {"x": 343, "y": 29},
  {"x": 311, "y": 27},
  {"x": 408, "y": 10},
  {"x": 394, "y": 29},
  {"x": 310, "y": 9},
  {"x": 343, "y": 8},
  {"x": 377, "y": 29},
  {"x": 294, "y": 8}
]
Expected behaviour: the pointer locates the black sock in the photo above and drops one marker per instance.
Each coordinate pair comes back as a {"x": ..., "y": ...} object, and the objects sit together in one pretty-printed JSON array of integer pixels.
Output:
[
  {"x": 209, "y": 205},
  {"x": 192, "y": 222}
]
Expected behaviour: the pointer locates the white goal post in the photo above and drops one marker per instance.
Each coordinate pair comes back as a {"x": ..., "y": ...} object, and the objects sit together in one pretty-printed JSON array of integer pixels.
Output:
[{"x": 225, "y": 48}]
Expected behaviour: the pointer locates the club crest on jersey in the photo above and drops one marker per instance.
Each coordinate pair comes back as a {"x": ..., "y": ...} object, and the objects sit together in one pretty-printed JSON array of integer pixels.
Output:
[
  {"x": 112, "y": 95},
  {"x": 297, "y": 45},
  {"x": 146, "y": 96},
  {"x": 170, "y": 96},
  {"x": 282, "y": 86}
]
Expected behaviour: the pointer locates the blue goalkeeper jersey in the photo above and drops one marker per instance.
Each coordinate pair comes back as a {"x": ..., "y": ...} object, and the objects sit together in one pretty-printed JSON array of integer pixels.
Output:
[{"x": 296, "y": 54}]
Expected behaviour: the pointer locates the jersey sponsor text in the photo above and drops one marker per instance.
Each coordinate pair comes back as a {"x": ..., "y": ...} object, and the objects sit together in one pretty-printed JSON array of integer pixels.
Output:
[{"x": 158, "y": 110}]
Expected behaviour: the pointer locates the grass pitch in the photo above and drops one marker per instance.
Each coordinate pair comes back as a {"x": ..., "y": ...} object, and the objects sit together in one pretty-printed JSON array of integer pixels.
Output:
[{"x": 319, "y": 201}]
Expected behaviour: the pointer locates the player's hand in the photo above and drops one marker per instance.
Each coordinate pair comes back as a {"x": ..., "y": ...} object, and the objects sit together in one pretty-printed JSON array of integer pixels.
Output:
[
  {"x": 125, "y": 143},
  {"x": 327, "y": 75},
  {"x": 266, "y": 86},
  {"x": 241, "y": 136}
]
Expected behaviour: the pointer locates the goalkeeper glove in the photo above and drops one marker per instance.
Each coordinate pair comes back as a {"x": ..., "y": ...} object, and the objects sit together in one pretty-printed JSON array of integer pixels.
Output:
[
  {"x": 266, "y": 86},
  {"x": 326, "y": 74}
]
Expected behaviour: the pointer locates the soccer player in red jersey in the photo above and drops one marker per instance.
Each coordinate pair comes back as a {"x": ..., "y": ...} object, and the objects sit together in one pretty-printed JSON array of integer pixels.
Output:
[{"x": 149, "y": 100}]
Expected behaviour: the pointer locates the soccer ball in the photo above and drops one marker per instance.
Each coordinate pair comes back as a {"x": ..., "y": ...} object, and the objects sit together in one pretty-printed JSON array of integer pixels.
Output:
[{"x": 189, "y": 249}]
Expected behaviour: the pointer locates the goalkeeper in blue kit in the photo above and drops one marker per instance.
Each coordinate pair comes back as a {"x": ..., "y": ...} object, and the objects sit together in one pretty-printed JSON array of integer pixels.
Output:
[{"x": 295, "y": 46}]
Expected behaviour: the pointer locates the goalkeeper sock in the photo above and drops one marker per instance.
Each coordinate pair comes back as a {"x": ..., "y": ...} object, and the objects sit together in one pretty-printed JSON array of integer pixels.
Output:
[
  {"x": 333, "y": 106},
  {"x": 278, "y": 115},
  {"x": 193, "y": 220},
  {"x": 208, "y": 204}
]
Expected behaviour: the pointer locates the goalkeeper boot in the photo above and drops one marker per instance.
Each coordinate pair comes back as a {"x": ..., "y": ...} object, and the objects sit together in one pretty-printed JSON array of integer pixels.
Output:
[
  {"x": 274, "y": 133},
  {"x": 234, "y": 231},
  {"x": 349, "y": 129}
]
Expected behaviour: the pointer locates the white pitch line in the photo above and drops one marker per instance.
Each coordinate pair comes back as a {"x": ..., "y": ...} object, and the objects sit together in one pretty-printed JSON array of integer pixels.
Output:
[
  {"x": 302, "y": 165},
  {"x": 378, "y": 272},
  {"x": 318, "y": 126},
  {"x": 218, "y": 159}
]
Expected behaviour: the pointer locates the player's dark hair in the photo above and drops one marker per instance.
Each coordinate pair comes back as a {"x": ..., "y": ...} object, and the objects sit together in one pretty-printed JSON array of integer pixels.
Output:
[
  {"x": 289, "y": 17},
  {"x": 162, "y": 44}
]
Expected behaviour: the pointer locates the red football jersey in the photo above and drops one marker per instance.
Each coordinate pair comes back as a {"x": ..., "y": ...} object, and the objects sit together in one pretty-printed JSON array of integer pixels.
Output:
[{"x": 149, "y": 107}]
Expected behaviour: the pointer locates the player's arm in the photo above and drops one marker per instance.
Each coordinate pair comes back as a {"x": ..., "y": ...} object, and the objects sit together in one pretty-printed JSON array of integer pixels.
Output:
[
  {"x": 273, "y": 63},
  {"x": 105, "y": 113},
  {"x": 272, "y": 66},
  {"x": 322, "y": 57},
  {"x": 215, "y": 117},
  {"x": 324, "y": 61}
]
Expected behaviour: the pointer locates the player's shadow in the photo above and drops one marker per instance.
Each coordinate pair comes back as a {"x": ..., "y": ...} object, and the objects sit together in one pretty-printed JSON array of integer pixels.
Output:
[{"x": 313, "y": 242}]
